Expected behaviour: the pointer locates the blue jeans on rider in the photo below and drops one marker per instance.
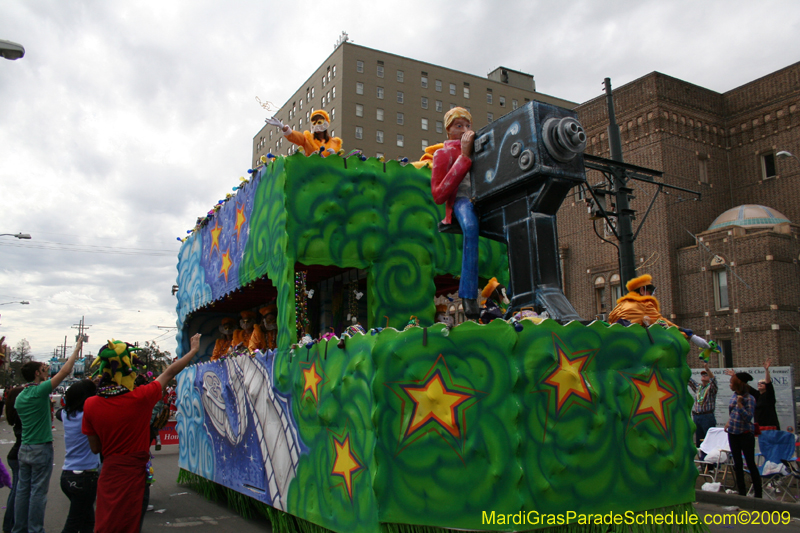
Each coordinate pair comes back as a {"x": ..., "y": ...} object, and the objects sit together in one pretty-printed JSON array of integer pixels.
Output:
[
  {"x": 35, "y": 469},
  {"x": 464, "y": 212}
]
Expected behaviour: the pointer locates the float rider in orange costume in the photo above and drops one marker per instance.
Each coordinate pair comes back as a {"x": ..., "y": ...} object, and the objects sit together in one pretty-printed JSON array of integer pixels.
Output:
[
  {"x": 316, "y": 141},
  {"x": 247, "y": 322},
  {"x": 639, "y": 306},
  {"x": 222, "y": 345}
]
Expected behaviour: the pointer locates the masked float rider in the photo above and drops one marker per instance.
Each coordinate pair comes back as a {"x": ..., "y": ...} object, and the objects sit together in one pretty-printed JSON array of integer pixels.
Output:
[{"x": 315, "y": 141}]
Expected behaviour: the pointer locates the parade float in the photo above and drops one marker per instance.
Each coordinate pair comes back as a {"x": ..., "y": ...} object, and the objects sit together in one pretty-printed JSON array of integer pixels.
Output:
[{"x": 410, "y": 425}]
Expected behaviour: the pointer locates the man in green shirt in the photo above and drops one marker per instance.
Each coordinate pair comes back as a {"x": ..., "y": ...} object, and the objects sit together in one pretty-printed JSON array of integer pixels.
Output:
[{"x": 36, "y": 452}]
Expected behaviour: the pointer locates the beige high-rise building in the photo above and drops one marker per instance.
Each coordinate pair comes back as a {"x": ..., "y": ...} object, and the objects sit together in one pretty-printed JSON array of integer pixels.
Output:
[{"x": 392, "y": 106}]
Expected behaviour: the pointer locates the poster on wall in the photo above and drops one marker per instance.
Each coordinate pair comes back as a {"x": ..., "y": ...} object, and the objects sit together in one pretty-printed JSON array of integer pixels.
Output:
[{"x": 782, "y": 381}]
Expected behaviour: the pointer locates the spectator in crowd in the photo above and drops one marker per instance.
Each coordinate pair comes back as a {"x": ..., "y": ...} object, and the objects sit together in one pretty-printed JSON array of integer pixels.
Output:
[
  {"x": 80, "y": 471},
  {"x": 741, "y": 432},
  {"x": 36, "y": 452},
  {"x": 704, "y": 403},
  {"x": 13, "y": 462},
  {"x": 117, "y": 423}
]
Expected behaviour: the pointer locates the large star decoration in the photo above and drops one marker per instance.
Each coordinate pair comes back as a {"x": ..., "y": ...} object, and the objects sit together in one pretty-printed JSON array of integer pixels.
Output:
[
  {"x": 433, "y": 401},
  {"x": 437, "y": 403},
  {"x": 240, "y": 220},
  {"x": 568, "y": 378},
  {"x": 346, "y": 463},
  {"x": 226, "y": 264},
  {"x": 311, "y": 380},
  {"x": 215, "y": 232},
  {"x": 653, "y": 395}
]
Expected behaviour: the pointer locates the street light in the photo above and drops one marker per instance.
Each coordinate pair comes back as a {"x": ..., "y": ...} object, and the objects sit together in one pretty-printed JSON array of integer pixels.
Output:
[
  {"x": 23, "y": 302},
  {"x": 783, "y": 154},
  {"x": 11, "y": 50},
  {"x": 17, "y": 235}
]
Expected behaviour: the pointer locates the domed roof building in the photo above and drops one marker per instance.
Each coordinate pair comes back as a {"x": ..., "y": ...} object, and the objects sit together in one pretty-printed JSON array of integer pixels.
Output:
[{"x": 749, "y": 216}]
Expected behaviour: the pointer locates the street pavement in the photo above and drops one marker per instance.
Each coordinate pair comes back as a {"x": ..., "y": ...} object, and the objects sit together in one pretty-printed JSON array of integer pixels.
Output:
[{"x": 178, "y": 506}]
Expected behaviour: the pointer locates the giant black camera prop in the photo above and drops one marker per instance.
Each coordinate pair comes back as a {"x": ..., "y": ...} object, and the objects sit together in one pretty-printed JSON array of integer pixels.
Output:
[{"x": 523, "y": 166}]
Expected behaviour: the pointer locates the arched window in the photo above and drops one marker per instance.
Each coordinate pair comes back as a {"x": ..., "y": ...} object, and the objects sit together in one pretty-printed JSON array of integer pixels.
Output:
[
  {"x": 719, "y": 273},
  {"x": 600, "y": 294},
  {"x": 616, "y": 288}
]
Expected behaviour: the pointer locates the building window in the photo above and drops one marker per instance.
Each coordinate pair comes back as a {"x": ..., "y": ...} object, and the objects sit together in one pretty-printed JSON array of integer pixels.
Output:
[
  {"x": 453, "y": 89},
  {"x": 379, "y": 155},
  {"x": 439, "y": 126},
  {"x": 502, "y": 101},
  {"x": 334, "y": 71},
  {"x": 301, "y": 105},
  {"x": 329, "y": 74},
  {"x": 399, "y": 97},
  {"x": 425, "y": 124},
  {"x": 400, "y": 118},
  {"x": 359, "y": 132},
  {"x": 308, "y": 95},
  {"x": 359, "y": 66},
  {"x": 379, "y": 115},
  {"x": 359, "y": 110},
  {"x": 424, "y": 144},
  {"x": 439, "y": 106},
  {"x": 322, "y": 101},
  {"x": 702, "y": 168},
  {"x": 514, "y": 104},
  {"x": 466, "y": 92},
  {"x": 333, "y": 92},
  {"x": 307, "y": 113},
  {"x": 312, "y": 92},
  {"x": 400, "y": 76},
  {"x": 270, "y": 135},
  {"x": 400, "y": 140},
  {"x": 424, "y": 82},
  {"x": 600, "y": 295},
  {"x": 380, "y": 71},
  {"x": 488, "y": 98},
  {"x": 616, "y": 288},
  {"x": 768, "y": 165},
  {"x": 359, "y": 88},
  {"x": 380, "y": 93},
  {"x": 720, "y": 274},
  {"x": 323, "y": 80},
  {"x": 452, "y": 105},
  {"x": 424, "y": 103},
  {"x": 490, "y": 117},
  {"x": 333, "y": 133},
  {"x": 333, "y": 114},
  {"x": 438, "y": 85},
  {"x": 300, "y": 124},
  {"x": 379, "y": 136}
]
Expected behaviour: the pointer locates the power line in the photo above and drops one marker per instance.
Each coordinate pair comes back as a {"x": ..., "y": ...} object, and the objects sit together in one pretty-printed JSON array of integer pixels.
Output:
[{"x": 90, "y": 249}]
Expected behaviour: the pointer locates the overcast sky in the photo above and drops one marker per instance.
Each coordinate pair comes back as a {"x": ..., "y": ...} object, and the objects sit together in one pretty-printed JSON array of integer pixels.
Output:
[{"x": 127, "y": 120}]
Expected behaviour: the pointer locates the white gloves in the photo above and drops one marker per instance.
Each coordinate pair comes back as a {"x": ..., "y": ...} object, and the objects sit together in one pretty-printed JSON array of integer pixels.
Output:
[{"x": 277, "y": 123}]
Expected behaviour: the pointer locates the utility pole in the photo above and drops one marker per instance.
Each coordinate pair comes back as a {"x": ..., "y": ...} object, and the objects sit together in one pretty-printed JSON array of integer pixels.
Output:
[
  {"x": 618, "y": 175},
  {"x": 82, "y": 328},
  {"x": 622, "y": 194}
]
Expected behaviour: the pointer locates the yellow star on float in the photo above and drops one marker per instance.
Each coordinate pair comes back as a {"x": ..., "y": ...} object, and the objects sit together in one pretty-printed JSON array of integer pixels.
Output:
[
  {"x": 345, "y": 464},
  {"x": 240, "y": 220},
  {"x": 310, "y": 380},
  {"x": 215, "y": 232},
  {"x": 567, "y": 378},
  {"x": 226, "y": 264},
  {"x": 433, "y": 401},
  {"x": 652, "y": 398}
]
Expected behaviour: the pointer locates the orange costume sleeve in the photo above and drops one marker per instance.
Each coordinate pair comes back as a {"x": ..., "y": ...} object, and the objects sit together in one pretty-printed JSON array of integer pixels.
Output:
[
  {"x": 310, "y": 145},
  {"x": 241, "y": 336},
  {"x": 257, "y": 340},
  {"x": 220, "y": 348}
]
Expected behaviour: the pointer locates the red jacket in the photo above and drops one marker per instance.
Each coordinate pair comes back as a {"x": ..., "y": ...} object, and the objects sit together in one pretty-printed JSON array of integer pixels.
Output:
[{"x": 449, "y": 169}]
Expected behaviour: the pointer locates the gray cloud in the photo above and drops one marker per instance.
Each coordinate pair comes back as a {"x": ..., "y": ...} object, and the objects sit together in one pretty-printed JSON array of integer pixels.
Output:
[{"x": 124, "y": 122}]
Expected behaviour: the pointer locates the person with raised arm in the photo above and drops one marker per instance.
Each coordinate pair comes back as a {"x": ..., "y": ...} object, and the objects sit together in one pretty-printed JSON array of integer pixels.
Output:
[{"x": 117, "y": 423}]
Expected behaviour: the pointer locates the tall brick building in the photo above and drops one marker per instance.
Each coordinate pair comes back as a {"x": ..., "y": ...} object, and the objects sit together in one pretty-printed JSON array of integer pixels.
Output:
[{"x": 741, "y": 283}]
